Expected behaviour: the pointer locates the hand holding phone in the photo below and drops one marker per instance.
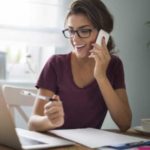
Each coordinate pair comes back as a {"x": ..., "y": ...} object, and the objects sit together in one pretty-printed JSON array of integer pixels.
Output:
[{"x": 102, "y": 34}]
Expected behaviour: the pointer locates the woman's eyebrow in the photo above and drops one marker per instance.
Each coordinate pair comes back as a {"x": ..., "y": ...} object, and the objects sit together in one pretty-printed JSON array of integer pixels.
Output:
[
  {"x": 81, "y": 27},
  {"x": 84, "y": 26}
]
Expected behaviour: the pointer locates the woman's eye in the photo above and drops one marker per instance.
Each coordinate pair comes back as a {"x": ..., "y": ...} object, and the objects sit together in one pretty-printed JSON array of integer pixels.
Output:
[{"x": 84, "y": 31}]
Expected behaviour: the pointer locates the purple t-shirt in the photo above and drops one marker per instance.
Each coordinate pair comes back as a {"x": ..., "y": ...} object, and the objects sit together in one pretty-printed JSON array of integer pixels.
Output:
[{"x": 83, "y": 107}]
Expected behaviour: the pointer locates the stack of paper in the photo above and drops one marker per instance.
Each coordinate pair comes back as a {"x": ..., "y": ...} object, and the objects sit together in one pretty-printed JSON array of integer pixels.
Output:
[{"x": 95, "y": 138}]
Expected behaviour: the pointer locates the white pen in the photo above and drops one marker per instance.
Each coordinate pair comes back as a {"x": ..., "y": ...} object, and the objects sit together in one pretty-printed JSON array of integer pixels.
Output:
[{"x": 45, "y": 98}]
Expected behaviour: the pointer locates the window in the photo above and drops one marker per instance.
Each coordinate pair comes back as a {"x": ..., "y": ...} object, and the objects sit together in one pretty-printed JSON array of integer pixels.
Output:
[
  {"x": 29, "y": 13},
  {"x": 29, "y": 30}
]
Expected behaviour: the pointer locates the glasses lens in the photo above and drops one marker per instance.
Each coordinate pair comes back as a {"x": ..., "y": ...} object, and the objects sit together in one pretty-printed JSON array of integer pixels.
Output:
[{"x": 84, "y": 33}]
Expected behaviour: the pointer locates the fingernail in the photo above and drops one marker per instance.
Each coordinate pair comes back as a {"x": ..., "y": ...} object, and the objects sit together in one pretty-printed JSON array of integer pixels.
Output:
[{"x": 54, "y": 96}]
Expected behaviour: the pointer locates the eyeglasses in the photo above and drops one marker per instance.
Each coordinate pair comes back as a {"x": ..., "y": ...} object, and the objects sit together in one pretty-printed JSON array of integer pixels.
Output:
[{"x": 82, "y": 33}]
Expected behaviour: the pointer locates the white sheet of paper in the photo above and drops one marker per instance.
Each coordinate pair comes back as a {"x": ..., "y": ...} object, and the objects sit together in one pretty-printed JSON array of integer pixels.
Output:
[{"x": 95, "y": 138}]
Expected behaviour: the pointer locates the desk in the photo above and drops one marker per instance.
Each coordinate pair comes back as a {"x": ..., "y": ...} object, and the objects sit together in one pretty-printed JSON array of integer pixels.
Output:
[{"x": 130, "y": 132}]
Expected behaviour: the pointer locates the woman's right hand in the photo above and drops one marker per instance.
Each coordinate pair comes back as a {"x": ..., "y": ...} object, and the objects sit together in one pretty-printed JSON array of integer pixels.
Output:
[{"x": 55, "y": 112}]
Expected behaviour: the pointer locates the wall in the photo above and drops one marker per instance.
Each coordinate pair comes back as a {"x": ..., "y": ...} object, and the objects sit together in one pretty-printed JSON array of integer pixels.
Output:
[{"x": 131, "y": 36}]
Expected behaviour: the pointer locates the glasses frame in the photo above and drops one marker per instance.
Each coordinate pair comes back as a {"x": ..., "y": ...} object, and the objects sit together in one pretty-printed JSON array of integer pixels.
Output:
[{"x": 76, "y": 31}]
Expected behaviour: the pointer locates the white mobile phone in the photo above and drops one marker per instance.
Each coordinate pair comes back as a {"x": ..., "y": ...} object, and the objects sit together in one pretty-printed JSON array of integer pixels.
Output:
[{"x": 102, "y": 34}]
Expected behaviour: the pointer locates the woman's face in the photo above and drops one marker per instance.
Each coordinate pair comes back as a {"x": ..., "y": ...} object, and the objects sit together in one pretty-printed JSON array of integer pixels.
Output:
[{"x": 82, "y": 43}]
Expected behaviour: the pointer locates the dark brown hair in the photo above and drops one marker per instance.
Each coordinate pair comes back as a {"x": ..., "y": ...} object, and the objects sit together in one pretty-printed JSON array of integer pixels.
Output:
[{"x": 97, "y": 13}]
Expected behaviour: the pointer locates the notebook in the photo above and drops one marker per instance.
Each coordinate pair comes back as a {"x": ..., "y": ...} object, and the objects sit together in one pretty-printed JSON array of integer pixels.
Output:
[{"x": 24, "y": 139}]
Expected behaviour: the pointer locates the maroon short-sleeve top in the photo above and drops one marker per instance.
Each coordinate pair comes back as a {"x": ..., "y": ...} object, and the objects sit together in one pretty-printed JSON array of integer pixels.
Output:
[{"x": 83, "y": 107}]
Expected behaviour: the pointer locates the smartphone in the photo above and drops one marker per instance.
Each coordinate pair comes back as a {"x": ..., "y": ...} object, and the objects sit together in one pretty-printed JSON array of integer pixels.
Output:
[{"x": 102, "y": 34}]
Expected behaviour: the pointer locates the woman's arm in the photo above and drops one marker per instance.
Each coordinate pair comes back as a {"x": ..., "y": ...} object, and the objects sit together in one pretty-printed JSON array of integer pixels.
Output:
[
  {"x": 117, "y": 104},
  {"x": 116, "y": 100},
  {"x": 46, "y": 115}
]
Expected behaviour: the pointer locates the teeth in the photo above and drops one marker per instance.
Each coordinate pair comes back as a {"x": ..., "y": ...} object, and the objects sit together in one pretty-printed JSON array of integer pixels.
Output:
[{"x": 79, "y": 46}]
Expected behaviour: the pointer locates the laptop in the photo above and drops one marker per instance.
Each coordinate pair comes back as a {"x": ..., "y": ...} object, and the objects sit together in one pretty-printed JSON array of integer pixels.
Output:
[{"x": 21, "y": 138}]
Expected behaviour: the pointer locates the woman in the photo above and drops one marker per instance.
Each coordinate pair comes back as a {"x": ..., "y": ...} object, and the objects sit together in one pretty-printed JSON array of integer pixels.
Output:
[{"x": 88, "y": 81}]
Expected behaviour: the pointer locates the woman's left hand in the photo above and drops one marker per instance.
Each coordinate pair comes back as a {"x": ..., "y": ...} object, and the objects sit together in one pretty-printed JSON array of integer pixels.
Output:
[{"x": 102, "y": 59}]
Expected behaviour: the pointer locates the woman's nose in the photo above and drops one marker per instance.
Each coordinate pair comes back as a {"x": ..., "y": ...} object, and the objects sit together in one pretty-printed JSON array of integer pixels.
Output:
[{"x": 75, "y": 36}]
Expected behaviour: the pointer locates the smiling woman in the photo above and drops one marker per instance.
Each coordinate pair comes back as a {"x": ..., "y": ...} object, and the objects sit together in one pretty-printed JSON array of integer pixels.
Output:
[{"x": 85, "y": 82}]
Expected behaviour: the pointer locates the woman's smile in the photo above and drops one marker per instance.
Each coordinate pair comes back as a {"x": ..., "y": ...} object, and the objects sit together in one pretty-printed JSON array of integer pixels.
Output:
[
  {"x": 79, "y": 47},
  {"x": 82, "y": 50}
]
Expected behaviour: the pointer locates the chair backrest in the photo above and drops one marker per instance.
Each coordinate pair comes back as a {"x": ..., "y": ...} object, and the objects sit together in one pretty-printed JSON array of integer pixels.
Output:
[{"x": 15, "y": 100}]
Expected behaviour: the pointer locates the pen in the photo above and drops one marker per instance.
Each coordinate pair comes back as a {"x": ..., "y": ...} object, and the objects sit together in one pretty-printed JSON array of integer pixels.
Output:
[
  {"x": 45, "y": 98},
  {"x": 136, "y": 144}
]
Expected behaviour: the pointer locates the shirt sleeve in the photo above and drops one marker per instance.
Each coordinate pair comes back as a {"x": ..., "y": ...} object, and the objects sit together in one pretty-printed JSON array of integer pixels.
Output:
[
  {"x": 119, "y": 78},
  {"x": 47, "y": 78}
]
